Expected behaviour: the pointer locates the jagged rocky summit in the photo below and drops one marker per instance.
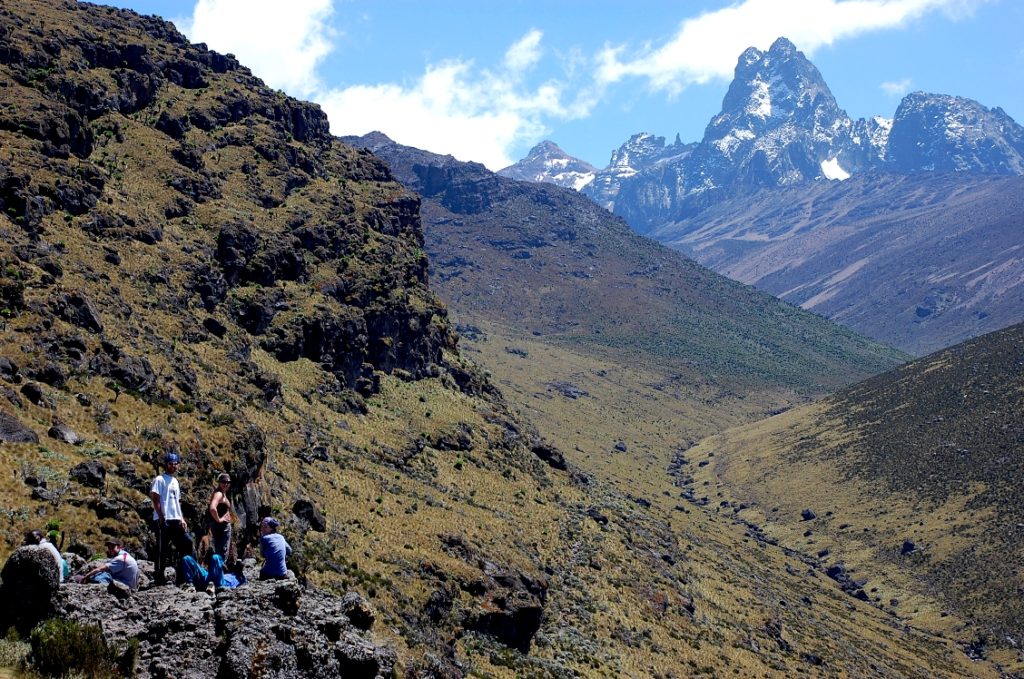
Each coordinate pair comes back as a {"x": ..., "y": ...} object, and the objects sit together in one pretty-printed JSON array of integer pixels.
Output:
[{"x": 781, "y": 126}]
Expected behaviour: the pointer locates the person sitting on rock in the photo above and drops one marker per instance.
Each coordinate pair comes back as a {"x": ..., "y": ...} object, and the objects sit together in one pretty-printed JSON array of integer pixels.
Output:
[
  {"x": 169, "y": 523},
  {"x": 37, "y": 539},
  {"x": 211, "y": 579},
  {"x": 120, "y": 566},
  {"x": 274, "y": 549}
]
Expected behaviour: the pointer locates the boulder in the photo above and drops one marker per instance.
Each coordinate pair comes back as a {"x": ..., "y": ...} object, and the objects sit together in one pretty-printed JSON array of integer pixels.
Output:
[
  {"x": 307, "y": 511},
  {"x": 13, "y": 431},
  {"x": 549, "y": 454},
  {"x": 358, "y": 611},
  {"x": 77, "y": 309},
  {"x": 808, "y": 515},
  {"x": 90, "y": 473},
  {"x": 31, "y": 581},
  {"x": 66, "y": 434},
  {"x": 9, "y": 370},
  {"x": 33, "y": 392}
]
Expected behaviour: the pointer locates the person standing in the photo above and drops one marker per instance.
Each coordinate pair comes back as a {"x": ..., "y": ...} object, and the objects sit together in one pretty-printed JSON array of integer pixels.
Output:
[
  {"x": 274, "y": 549},
  {"x": 169, "y": 524},
  {"x": 221, "y": 517},
  {"x": 119, "y": 566}
]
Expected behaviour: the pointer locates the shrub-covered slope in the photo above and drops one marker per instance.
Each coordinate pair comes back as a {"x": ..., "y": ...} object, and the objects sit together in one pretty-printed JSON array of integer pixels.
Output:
[{"x": 915, "y": 479}]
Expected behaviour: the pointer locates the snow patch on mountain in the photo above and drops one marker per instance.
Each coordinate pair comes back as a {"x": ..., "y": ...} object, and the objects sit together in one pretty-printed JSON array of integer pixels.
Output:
[
  {"x": 831, "y": 169},
  {"x": 760, "y": 100}
]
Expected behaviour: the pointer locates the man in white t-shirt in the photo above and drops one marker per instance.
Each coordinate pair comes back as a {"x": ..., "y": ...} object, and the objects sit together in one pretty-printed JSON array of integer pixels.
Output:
[{"x": 169, "y": 523}]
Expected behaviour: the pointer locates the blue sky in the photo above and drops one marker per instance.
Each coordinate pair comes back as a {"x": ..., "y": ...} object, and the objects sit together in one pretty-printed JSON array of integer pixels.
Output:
[{"x": 486, "y": 80}]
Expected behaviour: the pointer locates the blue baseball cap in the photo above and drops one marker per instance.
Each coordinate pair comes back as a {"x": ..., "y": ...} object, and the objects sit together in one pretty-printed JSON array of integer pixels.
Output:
[{"x": 172, "y": 458}]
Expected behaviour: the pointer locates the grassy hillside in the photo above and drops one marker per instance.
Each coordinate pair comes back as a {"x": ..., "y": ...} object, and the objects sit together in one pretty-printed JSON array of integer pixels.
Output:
[
  {"x": 190, "y": 262},
  {"x": 914, "y": 477}
]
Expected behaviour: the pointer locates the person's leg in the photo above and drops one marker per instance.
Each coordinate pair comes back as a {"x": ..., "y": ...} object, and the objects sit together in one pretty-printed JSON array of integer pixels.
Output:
[
  {"x": 183, "y": 541},
  {"x": 216, "y": 570},
  {"x": 160, "y": 552},
  {"x": 102, "y": 578},
  {"x": 192, "y": 572}
]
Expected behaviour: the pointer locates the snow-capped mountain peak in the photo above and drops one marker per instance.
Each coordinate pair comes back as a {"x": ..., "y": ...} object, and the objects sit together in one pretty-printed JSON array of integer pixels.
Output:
[{"x": 548, "y": 163}]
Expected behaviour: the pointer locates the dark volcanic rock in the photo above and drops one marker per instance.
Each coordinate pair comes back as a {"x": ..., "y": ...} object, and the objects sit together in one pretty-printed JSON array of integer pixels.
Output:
[
  {"x": 263, "y": 629},
  {"x": 307, "y": 511},
  {"x": 79, "y": 310},
  {"x": 29, "y": 589},
  {"x": 13, "y": 431},
  {"x": 63, "y": 432},
  {"x": 509, "y": 608},
  {"x": 90, "y": 473}
]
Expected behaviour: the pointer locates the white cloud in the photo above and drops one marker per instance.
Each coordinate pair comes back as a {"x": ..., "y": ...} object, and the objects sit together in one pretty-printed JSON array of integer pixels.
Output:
[
  {"x": 524, "y": 53},
  {"x": 455, "y": 108},
  {"x": 707, "y": 47},
  {"x": 282, "y": 42},
  {"x": 897, "y": 88}
]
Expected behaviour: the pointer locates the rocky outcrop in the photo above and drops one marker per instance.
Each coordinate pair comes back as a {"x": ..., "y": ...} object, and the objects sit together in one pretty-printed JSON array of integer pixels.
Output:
[{"x": 261, "y": 629}]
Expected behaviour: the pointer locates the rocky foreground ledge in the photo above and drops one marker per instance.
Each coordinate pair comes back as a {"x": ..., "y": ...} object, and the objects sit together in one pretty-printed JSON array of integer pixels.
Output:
[{"x": 271, "y": 629}]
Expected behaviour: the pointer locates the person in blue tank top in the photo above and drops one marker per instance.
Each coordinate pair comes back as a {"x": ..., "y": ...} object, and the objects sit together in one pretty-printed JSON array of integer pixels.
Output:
[{"x": 274, "y": 549}]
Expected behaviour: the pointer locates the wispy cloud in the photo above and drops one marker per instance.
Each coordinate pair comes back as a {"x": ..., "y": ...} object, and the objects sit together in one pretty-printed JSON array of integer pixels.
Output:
[
  {"x": 897, "y": 88},
  {"x": 282, "y": 42},
  {"x": 706, "y": 47}
]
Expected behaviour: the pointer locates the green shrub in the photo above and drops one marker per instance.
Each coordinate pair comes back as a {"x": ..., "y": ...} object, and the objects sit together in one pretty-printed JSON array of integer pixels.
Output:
[{"x": 62, "y": 647}]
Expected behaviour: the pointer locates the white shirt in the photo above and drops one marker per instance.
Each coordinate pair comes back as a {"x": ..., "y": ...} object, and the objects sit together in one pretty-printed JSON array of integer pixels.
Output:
[
  {"x": 56, "y": 555},
  {"x": 166, "y": 486}
]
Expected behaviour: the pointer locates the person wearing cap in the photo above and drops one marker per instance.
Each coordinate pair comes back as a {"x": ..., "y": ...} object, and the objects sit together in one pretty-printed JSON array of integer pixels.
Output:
[
  {"x": 36, "y": 538},
  {"x": 220, "y": 517},
  {"x": 274, "y": 549},
  {"x": 169, "y": 523},
  {"x": 120, "y": 566}
]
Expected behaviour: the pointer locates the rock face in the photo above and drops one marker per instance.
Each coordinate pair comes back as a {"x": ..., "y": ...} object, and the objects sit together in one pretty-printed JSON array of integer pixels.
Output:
[
  {"x": 546, "y": 162},
  {"x": 941, "y": 133},
  {"x": 641, "y": 152}
]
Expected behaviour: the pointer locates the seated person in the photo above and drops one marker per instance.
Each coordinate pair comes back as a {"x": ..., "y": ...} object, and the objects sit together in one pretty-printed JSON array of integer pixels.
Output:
[
  {"x": 119, "y": 566},
  {"x": 36, "y": 537},
  {"x": 200, "y": 577},
  {"x": 274, "y": 549}
]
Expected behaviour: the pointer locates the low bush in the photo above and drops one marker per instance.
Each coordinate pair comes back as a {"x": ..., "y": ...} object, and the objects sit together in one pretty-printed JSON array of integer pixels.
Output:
[{"x": 62, "y": 647}]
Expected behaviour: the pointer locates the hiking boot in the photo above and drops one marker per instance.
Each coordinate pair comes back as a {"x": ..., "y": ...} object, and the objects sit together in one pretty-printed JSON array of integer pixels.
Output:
[{"x": 211, "y": 589}]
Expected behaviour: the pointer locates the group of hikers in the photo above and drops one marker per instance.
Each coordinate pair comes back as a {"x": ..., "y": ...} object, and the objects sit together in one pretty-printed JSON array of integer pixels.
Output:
[{"x": 171, "y": 534}]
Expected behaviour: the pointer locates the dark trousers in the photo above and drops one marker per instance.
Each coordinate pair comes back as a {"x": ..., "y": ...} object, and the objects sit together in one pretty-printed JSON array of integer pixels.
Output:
[{"x": 171, "y": 536}]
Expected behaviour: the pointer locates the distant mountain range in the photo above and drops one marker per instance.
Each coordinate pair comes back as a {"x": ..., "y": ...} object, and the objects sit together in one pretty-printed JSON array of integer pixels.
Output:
[{"x": 783, "y": 144}]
